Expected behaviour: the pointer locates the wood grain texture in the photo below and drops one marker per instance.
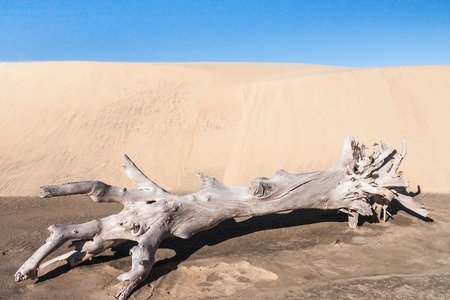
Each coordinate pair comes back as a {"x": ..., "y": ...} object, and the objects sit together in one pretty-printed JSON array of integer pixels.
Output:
[{"x": 357, "y": 184}]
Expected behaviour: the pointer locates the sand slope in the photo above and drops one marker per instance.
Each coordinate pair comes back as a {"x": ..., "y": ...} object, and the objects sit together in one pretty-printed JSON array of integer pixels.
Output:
[{"x": 70, "y": 121}]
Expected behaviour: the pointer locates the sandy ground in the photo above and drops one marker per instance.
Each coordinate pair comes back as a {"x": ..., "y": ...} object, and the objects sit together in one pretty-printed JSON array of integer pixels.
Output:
[
  {"x": 72, "y": 121},
  {"x": 303, "y": 254}
]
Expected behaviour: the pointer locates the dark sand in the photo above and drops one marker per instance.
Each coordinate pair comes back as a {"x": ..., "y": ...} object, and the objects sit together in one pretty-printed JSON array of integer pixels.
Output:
[{"x": 298, "y": 255}]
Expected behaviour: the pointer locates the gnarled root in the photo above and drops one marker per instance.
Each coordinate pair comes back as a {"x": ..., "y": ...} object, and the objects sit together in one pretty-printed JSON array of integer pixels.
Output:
[
  {"x": 59, "y": 235},
  {"x": 143, "y": 259},
  {"x": 358, "y": 185}
]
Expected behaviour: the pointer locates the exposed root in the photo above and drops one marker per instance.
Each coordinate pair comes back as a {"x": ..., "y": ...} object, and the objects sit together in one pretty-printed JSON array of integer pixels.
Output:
[{"x": 357, "y": 185}]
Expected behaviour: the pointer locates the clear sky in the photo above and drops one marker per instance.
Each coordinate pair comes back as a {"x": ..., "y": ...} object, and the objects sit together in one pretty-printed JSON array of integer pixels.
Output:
[{"x": 342, "y": 33}]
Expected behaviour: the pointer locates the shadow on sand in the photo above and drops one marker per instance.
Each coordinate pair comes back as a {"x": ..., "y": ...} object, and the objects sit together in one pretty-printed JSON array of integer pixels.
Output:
[{"x": 224, "y": 231}]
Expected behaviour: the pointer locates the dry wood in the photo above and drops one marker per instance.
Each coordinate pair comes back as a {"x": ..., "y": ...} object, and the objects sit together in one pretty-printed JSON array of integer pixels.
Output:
[{"x": 356, "y": 185}]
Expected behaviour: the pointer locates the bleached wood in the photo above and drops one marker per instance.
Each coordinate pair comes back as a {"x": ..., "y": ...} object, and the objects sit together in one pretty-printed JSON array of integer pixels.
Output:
[
  {"x": 138, "y": 177},
  {"x": 356, "y": 185}
]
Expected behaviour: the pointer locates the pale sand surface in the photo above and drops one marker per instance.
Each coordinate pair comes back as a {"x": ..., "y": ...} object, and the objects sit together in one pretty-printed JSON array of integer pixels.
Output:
[
  {"x": 300, "y": 255},
  {"x": 62, "y": 122},
  {"x": 70, "y": 121}
]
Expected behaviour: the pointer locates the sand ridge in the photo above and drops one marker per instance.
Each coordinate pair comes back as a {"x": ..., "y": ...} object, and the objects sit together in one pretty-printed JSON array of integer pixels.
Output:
[{"x": 70, "y": 121}]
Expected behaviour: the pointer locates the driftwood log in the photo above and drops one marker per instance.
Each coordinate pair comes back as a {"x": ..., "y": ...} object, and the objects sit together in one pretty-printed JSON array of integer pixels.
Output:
[{"x": 357, "y": 185}]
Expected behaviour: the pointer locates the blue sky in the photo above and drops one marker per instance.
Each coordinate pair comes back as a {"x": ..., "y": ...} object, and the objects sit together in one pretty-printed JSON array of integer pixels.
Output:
[{"x": 342, "y": 33}]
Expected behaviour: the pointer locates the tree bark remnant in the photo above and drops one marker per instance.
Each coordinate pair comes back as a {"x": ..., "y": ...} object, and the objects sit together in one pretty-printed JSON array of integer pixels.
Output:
[{"x": 356, "y": 185}]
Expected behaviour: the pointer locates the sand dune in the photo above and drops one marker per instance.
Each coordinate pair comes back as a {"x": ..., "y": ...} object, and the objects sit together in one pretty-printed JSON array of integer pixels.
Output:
[{"x": 70, "y": 121}]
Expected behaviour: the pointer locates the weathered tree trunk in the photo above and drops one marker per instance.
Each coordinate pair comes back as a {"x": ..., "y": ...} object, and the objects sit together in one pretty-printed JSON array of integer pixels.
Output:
[{"x": 356, "y": 185}]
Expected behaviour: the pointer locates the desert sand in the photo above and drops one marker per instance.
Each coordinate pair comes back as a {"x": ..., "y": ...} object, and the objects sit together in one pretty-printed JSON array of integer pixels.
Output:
[
  {"x": 71, "y": 121},
  {"x": 304, "y": 254},
  {"x": 64, "y": 121}
]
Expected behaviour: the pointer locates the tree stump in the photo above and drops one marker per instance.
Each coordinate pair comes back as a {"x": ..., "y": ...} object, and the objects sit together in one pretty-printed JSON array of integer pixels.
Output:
[{"x": 356, "y": 185}]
